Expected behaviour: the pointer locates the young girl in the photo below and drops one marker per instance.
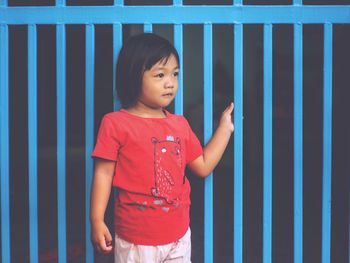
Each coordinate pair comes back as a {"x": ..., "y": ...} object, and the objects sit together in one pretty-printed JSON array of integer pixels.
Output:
[{"x": 143, "y": 150}]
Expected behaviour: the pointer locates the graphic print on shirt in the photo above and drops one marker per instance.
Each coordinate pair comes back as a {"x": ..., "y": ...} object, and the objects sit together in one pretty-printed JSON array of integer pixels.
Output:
[{"x": 167, "y": 163}]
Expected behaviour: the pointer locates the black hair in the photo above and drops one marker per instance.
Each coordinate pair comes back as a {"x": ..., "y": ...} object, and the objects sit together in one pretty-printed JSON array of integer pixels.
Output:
[{"x": 140, "y": 53}]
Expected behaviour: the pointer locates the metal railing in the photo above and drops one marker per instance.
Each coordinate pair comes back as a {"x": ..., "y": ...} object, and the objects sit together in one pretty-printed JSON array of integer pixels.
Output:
[{"x": 177, "y": 15}]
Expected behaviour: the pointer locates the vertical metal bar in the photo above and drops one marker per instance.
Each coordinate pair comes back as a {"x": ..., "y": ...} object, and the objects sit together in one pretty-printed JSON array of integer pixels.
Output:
[
  {"x": 208, "y": 130},
  {"x": 178, "y": 42},
  {"x": 117, "y": 45},
  {"x": 147, "y": 28},
  {"x": 61, "y": 142},
  {"x": 327, "y": 145},
  {"x": 267, "y": 204},
  {"x": 237, "y": 2},
  {"x": 118, "y": 2},
  {"x": 60, "y": 2},
  {"x": 4, "y": 144},
  {"x": 298, "y": 144},
  {"x": 238, "y": 144},
  {"x": 33, "y": 142},
  {"x": 89, "y": 130},
  {"x": 297, "y": 2},
  {"x": 3, "y": 2}
]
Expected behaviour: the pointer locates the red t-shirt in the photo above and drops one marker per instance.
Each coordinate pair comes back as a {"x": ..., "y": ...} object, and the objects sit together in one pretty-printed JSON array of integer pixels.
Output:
[{"x": 152, "y": 206}]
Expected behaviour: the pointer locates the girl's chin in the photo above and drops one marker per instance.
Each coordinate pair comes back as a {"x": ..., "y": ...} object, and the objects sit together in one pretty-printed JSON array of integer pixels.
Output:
[
  {"x": 160, "y": 106},
  {"x": 157, "y": 107}
]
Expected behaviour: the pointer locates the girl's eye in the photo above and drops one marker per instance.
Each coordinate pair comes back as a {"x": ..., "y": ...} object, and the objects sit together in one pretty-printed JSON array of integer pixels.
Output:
[
  {"x": 176, "y": 74},
  {"x": 160, "y": 75}
]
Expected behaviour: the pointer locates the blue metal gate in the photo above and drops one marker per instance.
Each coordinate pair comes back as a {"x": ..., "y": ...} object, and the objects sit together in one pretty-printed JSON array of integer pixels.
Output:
[{"x": 177, "y": 15}]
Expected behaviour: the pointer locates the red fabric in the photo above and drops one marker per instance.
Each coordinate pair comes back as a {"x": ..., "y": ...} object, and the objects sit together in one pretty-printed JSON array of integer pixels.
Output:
[{"x": 152, "y": 207}]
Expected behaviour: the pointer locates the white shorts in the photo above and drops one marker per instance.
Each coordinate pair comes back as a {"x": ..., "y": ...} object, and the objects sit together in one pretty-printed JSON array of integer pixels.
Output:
[{"x": 176, "y": 252}]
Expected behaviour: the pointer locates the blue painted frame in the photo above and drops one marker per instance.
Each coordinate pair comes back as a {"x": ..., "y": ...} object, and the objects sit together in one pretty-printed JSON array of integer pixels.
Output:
[{"x": 178, "y": 15}]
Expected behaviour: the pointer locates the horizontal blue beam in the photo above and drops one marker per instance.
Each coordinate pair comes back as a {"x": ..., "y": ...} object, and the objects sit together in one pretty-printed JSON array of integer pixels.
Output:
[{"x": 175, "y": 14}]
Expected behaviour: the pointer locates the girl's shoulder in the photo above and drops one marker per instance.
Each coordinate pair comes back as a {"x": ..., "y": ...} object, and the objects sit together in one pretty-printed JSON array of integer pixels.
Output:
[
  {"x": 112, "y": 119},
  {"x": 107, "y": 118},
  {"x": 112, "y": 114},
  {"x": 179, "y": 118},
  {"x": 115, "y": 115}
]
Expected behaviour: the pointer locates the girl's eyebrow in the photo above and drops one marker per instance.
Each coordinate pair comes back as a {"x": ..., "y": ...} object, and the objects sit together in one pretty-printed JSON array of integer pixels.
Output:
[{"x": 162, "y": 68}]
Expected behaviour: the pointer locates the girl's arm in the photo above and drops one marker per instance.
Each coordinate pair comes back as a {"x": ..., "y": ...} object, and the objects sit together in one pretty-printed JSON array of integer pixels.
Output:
[
  {"x": 101, "y": 189},
  {"x": 213, "y": 151}
]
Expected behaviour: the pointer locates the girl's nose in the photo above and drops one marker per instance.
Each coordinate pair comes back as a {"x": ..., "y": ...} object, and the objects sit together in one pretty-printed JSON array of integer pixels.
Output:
[{"x": 169, "y": 84}]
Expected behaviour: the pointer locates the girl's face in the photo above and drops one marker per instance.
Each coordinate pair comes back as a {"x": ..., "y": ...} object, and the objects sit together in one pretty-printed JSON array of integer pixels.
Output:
[{"x": 159, "y": 85}]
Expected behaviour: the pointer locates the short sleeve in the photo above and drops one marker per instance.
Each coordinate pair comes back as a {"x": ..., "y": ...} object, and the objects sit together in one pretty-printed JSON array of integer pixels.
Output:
[
  {"x": 193, "y": 147},
  {"x": 107, "y": 144}
]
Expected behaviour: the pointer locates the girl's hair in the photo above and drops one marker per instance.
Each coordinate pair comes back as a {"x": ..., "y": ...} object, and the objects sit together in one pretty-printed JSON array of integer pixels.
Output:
[{"x": 140, "y": 53}]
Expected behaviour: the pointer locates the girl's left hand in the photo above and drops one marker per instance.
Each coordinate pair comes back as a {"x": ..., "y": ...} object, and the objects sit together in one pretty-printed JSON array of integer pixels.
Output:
[{"x": 226, "y": 118}]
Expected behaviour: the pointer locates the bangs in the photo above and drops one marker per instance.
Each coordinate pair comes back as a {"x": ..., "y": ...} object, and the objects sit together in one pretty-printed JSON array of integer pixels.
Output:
[{"x": 160, "y": 56}]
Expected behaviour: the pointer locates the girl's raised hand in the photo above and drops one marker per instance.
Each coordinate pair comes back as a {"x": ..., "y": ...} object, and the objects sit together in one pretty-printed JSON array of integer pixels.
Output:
[{"x": 226, "y": 118}]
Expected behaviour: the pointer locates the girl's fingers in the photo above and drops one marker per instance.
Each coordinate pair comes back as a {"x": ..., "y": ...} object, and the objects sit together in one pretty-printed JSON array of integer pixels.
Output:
[
  {"x": 108, "y": 241},
  {"x": 232, "y": 106},
  {"x": 108, "y": 238},
  {"x": 229, "y": 108},
  {"x": 104, "y": 245}
]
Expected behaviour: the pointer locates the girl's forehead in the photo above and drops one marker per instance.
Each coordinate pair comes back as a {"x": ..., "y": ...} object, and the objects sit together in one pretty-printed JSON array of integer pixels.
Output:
[{"x": 167, "y": 62}]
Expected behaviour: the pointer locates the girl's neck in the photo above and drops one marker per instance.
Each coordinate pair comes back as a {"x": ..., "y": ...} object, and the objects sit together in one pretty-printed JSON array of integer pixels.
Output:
[{"x": 146, "y": 112}]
